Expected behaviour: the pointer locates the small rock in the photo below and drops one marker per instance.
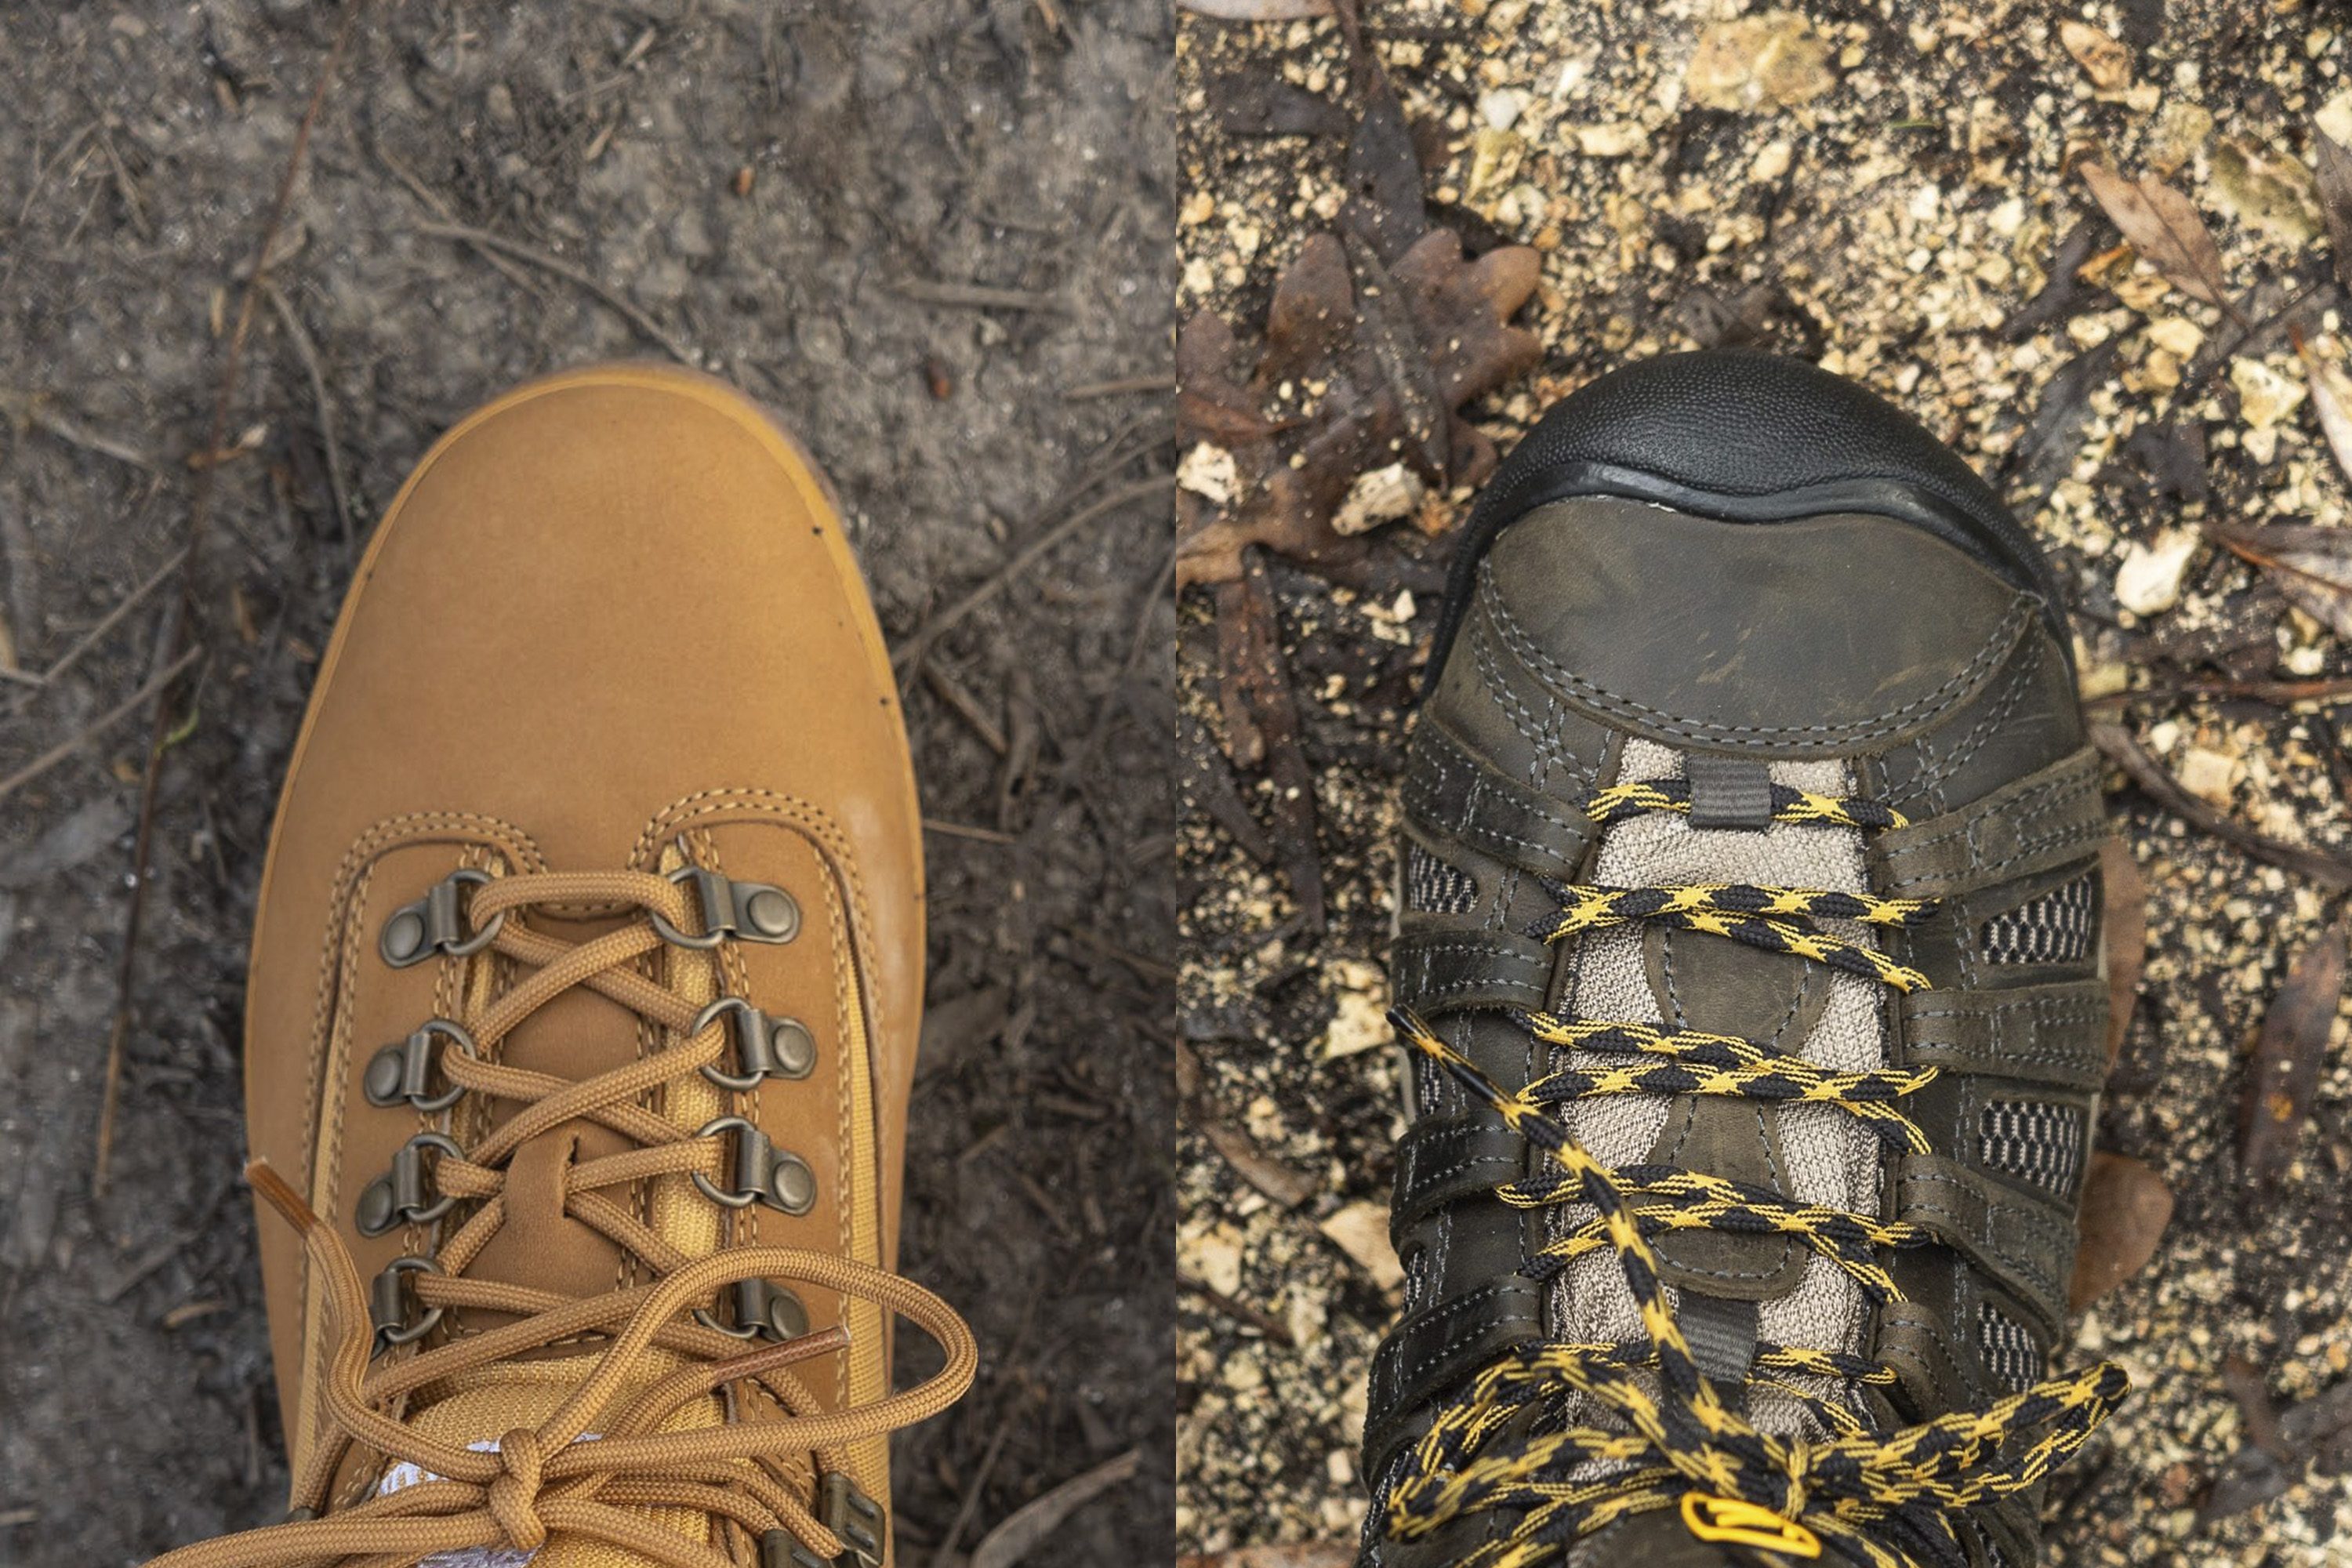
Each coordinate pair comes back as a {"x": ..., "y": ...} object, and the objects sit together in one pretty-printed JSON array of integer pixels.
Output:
[
  {"x": 2103, "y": 59},
  {"x": 1211, "y": 473},
  {"x": 1772, "y": 161},
  {"x": 1362, "y": 1231},
  {"x": 1501, "y": 107},
  {"x": 2209, "y": 775},
  {"x": 1751, "y": 63},
  {"x": 1381, "y": 496},
  {"x": 2271, "y": 193},
  {"x": 1361, "y": 1021},
  {"x": 1611, "y": 140},
  {"x": 2265, "y": 397},
  {"x": 1494, "y": 159},
  {"x": 2148, "y": 582},
  {"x": 1213, "y": 1255}
]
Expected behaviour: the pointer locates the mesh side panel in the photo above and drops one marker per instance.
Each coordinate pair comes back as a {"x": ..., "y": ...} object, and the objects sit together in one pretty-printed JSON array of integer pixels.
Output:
[
  {"x": 2032, "y": 1141},
  {"x": 2011, "y": 1357},
  {"x": 2056, "y": 928},
  {"x": 1434, "y": 887}
]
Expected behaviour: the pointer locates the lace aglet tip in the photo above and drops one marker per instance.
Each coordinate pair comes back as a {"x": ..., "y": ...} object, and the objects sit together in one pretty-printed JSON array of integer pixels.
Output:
[{"x": 280, "y": 1194}]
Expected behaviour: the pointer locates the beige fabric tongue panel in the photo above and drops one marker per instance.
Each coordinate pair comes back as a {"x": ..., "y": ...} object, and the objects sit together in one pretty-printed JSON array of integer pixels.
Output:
[
  {"x": 1832, "y": 1160},
  {"x": 487, "y": 1405},
  {"x": 576, "y": 1035}
]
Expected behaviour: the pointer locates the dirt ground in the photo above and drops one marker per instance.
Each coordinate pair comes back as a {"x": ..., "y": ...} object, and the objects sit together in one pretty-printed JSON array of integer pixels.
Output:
[
  {"x": 801, "y": 196},
  {"x": 1897, "y": 200}
]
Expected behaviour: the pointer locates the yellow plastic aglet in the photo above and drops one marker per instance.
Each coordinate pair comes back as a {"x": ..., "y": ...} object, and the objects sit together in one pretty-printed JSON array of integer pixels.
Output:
[{"x": 1711, "y": 1518}]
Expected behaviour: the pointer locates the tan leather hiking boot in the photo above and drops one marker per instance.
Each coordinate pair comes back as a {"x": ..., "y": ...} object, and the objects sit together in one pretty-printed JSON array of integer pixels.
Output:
[{"x": 585, "y": 987}]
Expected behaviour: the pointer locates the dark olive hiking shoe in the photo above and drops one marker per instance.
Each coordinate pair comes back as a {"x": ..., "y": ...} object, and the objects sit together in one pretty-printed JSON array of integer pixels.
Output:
[{"x": 1750, "y": 949}]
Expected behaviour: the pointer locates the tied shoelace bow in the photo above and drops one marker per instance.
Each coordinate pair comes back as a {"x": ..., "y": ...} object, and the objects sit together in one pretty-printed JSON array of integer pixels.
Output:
[
  {"x": 546, "y": 1479},
  {"x": 1883, "y": 1498}
]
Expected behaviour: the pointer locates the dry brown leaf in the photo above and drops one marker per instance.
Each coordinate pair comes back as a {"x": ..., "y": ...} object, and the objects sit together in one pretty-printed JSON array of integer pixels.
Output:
[
  {"x": 2103, "y": 59},
  {"x": 1394, "y": 361},
  {"x": 2163, "y": 227},
  {"x": 2331, "y": 395},
  {"x": 2310, "y": 563},
  {"x": 2124, "y": 897},
  {"x": 2288, "y": 1054},
  {"x": 1027, "y": 1526},
  {"x": 2125, "y": 1207},
  {"x": 2332, "y": 167}
]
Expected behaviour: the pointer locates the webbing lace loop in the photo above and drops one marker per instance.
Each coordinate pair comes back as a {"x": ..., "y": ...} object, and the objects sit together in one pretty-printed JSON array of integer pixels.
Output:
[{"x": 1887, "y": 1500}]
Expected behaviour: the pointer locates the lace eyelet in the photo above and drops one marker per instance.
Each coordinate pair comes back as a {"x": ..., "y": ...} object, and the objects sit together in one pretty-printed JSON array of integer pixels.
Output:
[
  {"x": 764, "y": 1173},
  {"x": 749, "y": 911},
  {"x": 397, "y": 1197},
  {"x": 436, "y": 923},
  {"x": 389, "y": 1300},
  {"x": 767, "y": 1045},
  {"x": 402, "y": 1072},
  {"x": 763, "y": 1309}
]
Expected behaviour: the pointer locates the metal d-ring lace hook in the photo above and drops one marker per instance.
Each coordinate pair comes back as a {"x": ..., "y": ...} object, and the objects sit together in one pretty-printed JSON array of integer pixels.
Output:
[
  {"x": 404, "y": 1070},
  {"x": 766, "y": 1046},
  {"x": 764, "y": 1173},
  {"x": 751, "y": 912},
  {"x": 389, "y": 1300},
  {"x": 763, "y": 1309},
  {"x": 398, "y": 1196},
  {"x": 436, "y": 923}
]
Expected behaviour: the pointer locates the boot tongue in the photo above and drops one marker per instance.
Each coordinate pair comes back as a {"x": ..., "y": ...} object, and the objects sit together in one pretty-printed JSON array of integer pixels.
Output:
[
  {"x": 479, "y": 1408},
  {"x": 1661, "y": 1541},
  {"x": 575, "y": 1036}
]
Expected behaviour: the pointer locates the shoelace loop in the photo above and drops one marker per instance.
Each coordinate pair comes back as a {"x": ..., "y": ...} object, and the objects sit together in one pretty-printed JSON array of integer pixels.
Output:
[
  {"x": 1886, "y": 1500},
  {"x": 545, "y": 1479}
]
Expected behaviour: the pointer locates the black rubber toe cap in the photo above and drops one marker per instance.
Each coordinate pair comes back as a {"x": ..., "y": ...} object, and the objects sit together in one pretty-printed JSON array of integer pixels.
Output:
[{"x": 1746, "y": 437}]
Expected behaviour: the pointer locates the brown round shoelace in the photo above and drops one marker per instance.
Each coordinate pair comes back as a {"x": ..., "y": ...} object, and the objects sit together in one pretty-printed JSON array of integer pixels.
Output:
[{"x": 596, "y": 1465}]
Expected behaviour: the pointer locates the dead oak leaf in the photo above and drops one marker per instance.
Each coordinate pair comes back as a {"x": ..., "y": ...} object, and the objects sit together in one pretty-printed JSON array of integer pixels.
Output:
[
  {"x": 2311, "y": 564},
  {"x": 2165, "y": 227},
  {"x": 2332, "y": 165},
  {"x": 2126, "y": 1207},
  {"x": 2288, "y": 1054},
  {"x": 1363, "y": 367}
]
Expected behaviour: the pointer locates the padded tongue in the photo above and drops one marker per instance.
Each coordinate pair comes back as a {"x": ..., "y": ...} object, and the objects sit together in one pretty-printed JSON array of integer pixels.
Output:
[
  {"x": 1662, "y": 1541},
  {"x": 483, "y": 1406}
]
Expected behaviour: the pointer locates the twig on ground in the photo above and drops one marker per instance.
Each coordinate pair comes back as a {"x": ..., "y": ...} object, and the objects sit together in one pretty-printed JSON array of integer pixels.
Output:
[
  {"x": 2124, "y": 751},
  {"x": 1121, "y": 387},
  {"x": 912, "y": 651},
  {"x": 975, "y": 295},
  {"x": 2321, "y": 690},
  {"x": 98, "y": 726},
  {"x": 1241, "y": 1312},
  {"x": 945, "y": 1549},
  {"x": 179, "y": 627},
  {"x": 308, "y": 353},
  {"x": 447, "y": 214},
  {"x": 105, "y": 623},
  {"x": 964, "y": 830},
  {"x": 34, "y": 409},
  {"x": 483, "y": 239},
  {"x": 966, "y": 707},
  {"x": 1145, "y": 621}
]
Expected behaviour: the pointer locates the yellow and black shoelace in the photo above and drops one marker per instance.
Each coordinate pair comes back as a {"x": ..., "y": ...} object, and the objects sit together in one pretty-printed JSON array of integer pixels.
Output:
[{"x": 1887, "y": 1500}]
